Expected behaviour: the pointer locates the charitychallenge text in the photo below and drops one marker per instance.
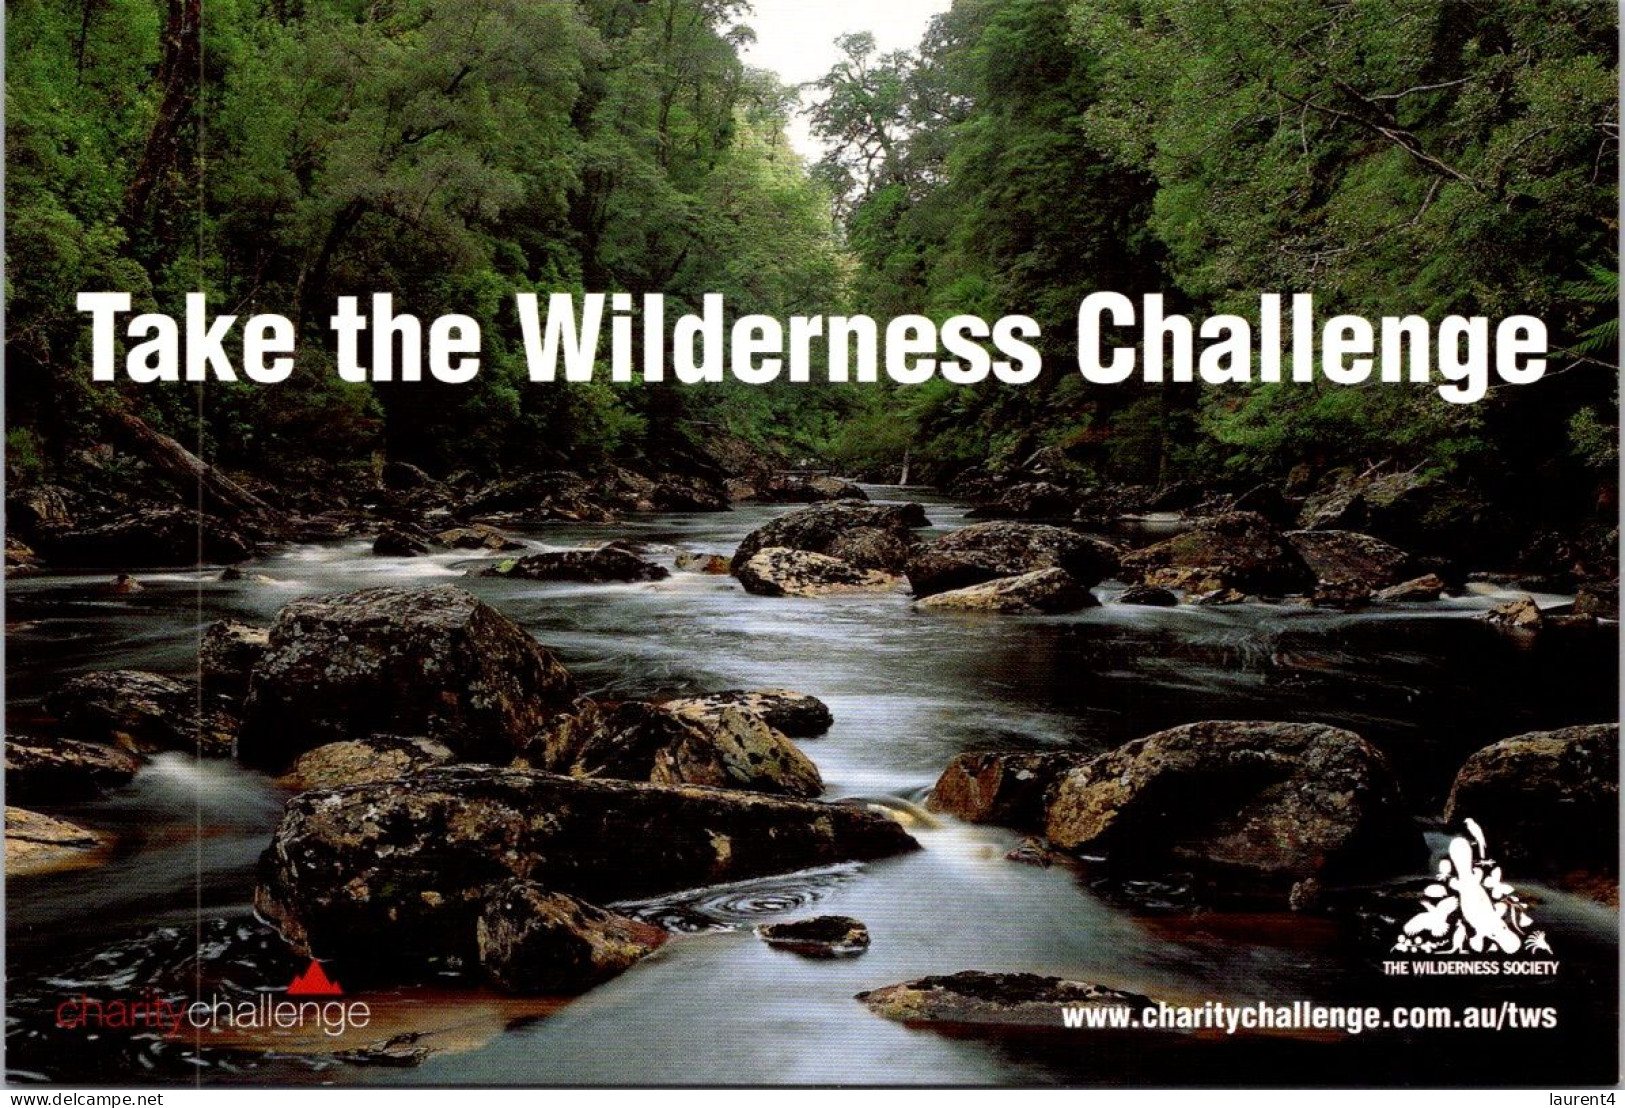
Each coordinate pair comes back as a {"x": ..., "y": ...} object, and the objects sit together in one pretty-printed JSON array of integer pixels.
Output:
[{"x": 152, "y": 1012}]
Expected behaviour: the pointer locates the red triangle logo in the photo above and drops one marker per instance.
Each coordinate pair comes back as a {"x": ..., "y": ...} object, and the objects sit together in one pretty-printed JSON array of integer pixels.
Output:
[{"x": 313, "y": 982}]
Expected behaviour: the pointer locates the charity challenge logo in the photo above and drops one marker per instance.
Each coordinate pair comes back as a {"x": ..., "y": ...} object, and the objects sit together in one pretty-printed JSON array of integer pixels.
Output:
[
  {"x": 312, "y": 1000},
  {"x": 1470, "y": 910}
]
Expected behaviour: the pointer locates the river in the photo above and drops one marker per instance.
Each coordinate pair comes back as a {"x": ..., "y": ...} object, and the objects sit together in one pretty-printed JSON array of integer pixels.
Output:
[{"x": 1427, "y": 683}]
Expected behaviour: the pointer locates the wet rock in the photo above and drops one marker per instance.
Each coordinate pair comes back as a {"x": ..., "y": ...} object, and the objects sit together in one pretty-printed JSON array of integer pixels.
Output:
[
  {"x": 227, "y": 653},
  {"x": 987, "y": 551},
  {"x": 1254, "y": 807},
  {"x": 477, "y": 536},
  {"x": 610, "y": 562},
  {"x": 1518, "y": 614},
  {"x": 41, "y": 508},
  {"x": 401, "y": 1051},
  {"x": 795, "y": 714},
  {"x": 1344, "y": 556},
  {"x": 1412, "y": 511},
  {"x": 537, "y": 497},
  {"x": 1042, "y": 592},
  {"x": 433, "y": 662},
  {"x": 817, "y": 528},
  {"x": 37, "y": 843},
  {"x": 1547, "y": 800},
  {"x": 1149, "y": 596},
  {"x": 142, "y": 712},
  {"x": 680, "y": 742},
  {"x": 356, "y": 761},
  {"x": 1598, "y": 600},
  {"x": 695, "y": 562},
  {"x": 869, "y": 548},
  {"x": 1342, "y": 595},
  {"x": 157, "y": 537},
  {"x": 20, "y": 558},
  {"x": 55, "y": 770},
  {"x": 1009, "y": 788},
  {"x": 532, "y": 940},
  {"x": 391, "y": 873},
  {"x": 1217, "y": 598},
  {"x": 396, "y": 543},
  {"x": 1238, "y": 550},
  {"x": 797, "y": 489},
  {"x": 232, "y": 573},
  {"x": 124, "y": 585},
  {"x": 818, "y": 937},
  {"x": 1429, "y": 586},
  {"x": 1030, "y": 500},
  {"x": 976, "y": 999},
  {"x": 780, "y": 571}
]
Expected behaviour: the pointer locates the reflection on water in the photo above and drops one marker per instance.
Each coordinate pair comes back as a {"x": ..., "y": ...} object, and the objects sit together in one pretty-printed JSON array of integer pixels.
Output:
[{"x": 909, "y": 690}]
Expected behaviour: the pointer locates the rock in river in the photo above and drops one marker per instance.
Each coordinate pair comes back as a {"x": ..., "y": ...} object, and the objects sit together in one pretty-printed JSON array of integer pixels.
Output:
[
  {"x": 973, "y": 998},
  {"x": 1255, "y": 807},
  {"x": 356, "y": 761},
  {"x": 842, "y": 529},
  {"x": 38, "y": 843},
  {"x": 818, "y": 937},
  {"x": 1041, "y": 592},
  {"x": 1238, "y": 550},
  {"x": 796, "y": 714},
  {"x": 780, "y": 571},
  {"x": 227, "y": 654},
  {"x": 51, "y": 771},
  {"x": 1548, "y": 799},
  {"x": 680, "y": 742},
  {"x": 142, "y": 712},
  {"x": 432, "y": 662},
  {"x": 532, "y": 940},
  {"x": 1348, "y": 556},
  {"x": 988, "y": 551},
  {"x": 1009, "y": 788},
  {"x": 610, "y": 562},
  {"x": 391, "y": 873}
]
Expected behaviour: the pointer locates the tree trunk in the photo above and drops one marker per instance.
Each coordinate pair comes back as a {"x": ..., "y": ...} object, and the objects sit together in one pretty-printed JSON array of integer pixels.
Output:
[
  {"x": 178, "y": 77},
  {"x": 189, "y": 471}
]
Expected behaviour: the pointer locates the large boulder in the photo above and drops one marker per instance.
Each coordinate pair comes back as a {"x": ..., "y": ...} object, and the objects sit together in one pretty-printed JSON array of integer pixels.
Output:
[
  {"x": 1237, "y": 550},
  {"x": 1348, "y": 556},
  {"x": 1413, "y": 511},
  {"x": 976, "y": 999},
  {"x": 54, "y": 770},
  {"x": 679, "y": 742},
  {"x": 610, "y": 562},
  {"x": 819, "y": 528},
  {"x": 142, "y": 712},
  {"x": 532, "y": 940},
  {"x": 1253, "y": 807},
  {"x": 389, "y": 874},
  {"x": 433, "y": 662},
  {"x": 397, "y": 542},
  {"x": 227, "y": 654},
  {"x": 796, "y": 714},
  {"x": 1598, "y": 600},
  {"x": 1029, "y": 500},
  {"x": 781, "y": 571},
  {"x": 148, "y": 537},
  {"x": 37, "y": 843},
  {"x": 818, "y": 937},
  {"x": 1008, "y": 788},
  {"x": 1429, "y": 586},
  {"x": 1041, "y": 592},
  {"x": 356, "y": 761},
  {"x": 1547, "y": 800},
  {"x": 987, "y": 551}
]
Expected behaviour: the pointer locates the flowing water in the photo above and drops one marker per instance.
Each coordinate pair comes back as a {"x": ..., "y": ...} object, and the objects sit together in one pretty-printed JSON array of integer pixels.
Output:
[{"x": 1426, "y": 683}]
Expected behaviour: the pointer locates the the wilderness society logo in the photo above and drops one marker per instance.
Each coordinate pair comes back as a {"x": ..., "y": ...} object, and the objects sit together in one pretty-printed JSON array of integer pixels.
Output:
[
  {"x": 1471, "y": 910},
  {"x": 312, "y": 1000}
]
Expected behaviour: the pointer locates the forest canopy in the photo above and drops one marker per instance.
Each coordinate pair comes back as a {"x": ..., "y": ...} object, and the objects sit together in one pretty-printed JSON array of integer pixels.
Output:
[{"x": 1403, "y": 156}]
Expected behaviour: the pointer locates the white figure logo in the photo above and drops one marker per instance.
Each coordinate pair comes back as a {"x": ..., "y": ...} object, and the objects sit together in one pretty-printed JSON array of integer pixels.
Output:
[{"x": 1469, "y": 907}]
